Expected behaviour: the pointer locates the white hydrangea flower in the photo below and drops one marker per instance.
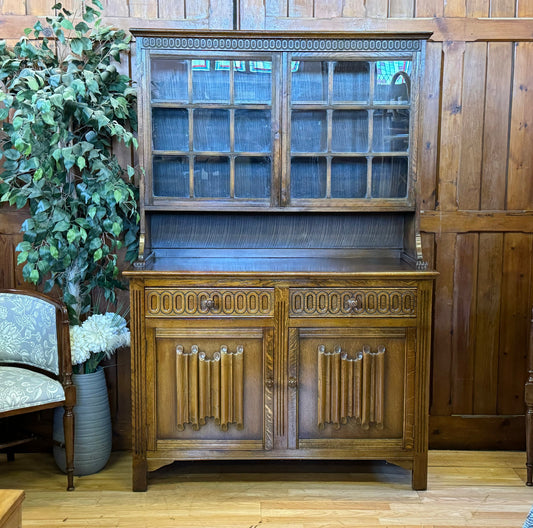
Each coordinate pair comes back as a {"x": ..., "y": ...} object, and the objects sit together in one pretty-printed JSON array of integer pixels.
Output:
[{"x": 99, "y": 333}]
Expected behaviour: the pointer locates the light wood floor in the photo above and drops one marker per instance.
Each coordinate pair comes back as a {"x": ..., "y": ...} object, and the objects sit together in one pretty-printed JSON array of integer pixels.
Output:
[{"x": 474, "y": 489}]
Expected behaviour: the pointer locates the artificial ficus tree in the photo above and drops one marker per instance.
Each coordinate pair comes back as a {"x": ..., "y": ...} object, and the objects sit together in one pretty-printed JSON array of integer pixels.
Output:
[{"x": 63, "y": 103}]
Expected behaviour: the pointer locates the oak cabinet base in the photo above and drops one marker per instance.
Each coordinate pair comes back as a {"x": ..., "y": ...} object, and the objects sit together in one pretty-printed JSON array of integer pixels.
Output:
[{"x": 280, "y": 366}]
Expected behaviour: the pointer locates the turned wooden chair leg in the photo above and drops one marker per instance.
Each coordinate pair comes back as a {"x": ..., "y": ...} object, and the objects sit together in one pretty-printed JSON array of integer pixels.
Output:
[{"x": 68, "y": 428}]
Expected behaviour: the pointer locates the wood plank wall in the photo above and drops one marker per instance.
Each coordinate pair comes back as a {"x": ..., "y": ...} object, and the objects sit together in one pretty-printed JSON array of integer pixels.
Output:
[{"x": 476, "y": 178}]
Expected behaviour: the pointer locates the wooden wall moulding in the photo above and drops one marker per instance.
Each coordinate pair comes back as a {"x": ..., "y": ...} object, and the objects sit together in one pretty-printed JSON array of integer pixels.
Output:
[{"x": 280, "y": 308}]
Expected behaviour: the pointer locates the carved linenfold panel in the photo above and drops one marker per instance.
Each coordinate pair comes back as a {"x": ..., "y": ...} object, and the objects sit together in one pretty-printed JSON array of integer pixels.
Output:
[
  {"x": 351, "y": 388},
  {"x": 209, "y": 388},
  {"x": 181, "y": 302},
  {"x": 338, "y": 302}
]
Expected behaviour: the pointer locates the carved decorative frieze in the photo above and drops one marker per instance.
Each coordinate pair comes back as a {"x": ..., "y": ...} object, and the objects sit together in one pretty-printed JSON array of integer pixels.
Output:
[
  {"x": 180, "y": 302},
  {"x": 351, "y": 388},
  {"x": 337, "y": 302},
  {"x": 209, "y": 388},
  {"x": 279, "y": 44}
]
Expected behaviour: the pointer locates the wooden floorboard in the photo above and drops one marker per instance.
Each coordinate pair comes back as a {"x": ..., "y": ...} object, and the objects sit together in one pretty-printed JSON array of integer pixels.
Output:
[{"x": 465, "y": 489}]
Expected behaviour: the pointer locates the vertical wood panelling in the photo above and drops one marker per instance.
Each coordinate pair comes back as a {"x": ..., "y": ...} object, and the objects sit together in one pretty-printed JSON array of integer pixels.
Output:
[
  {"x": 328, "y": 8},
  {"x": 220, "y": 13},
  {"x": 252, "y": 14},
  {"x": 469, "y": 180},
  {"x": 401, "y": 8},
  {"x": 451, "y": 122},
  {"x": 354, "y": 8},
  {"x": 7, "y": 265},
  {"x": 520, "y": 180},
  {"x": 116, "y": 8},
  {"x": 455, "y": 8},
  {"x": 477, "y": 8},
  {"x": 428, "y": 131},
  {"x": 301, "y": 8},
  {"x": 377, "y": 8},
  {"x": 429, "y": 8},
  {"x": 442, "y": 332},
  {"x": 12, "y": 7},
  {"x": 496, "y": 129},
  {"x": 464, "y": 323},
  {"x": 143, "y": 8},
  {"x": 39, "y": 7},
  {"x": 171, "y": 9},
  {"x": 502, "y": 8},
  {"x": 486, "y": 364},
  {"x": 275, "y": 8},
  {"x": 196, "y": 9},
  {"x": 525, "y": 8},
  {"x": 515, "y": 312}
]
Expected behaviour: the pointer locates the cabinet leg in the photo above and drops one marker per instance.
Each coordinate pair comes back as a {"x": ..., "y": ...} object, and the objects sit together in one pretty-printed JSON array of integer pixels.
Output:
[
  {"x": 139, "y": 474},
  {"x": 420, "y": 472}
]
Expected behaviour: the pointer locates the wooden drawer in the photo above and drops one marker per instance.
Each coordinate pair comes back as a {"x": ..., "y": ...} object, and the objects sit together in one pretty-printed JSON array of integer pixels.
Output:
[
  {"x": 202, "y": 302},
  {"x": 355, "y": 302}
]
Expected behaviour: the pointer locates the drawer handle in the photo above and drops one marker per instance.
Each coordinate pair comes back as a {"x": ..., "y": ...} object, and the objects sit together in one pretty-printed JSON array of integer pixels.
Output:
[
  {"x": 209, "y": 304},
  {"x": 269, "y": 383},
  {"x": 351, "y": 304},
  {"x": 293, "y": 383}
]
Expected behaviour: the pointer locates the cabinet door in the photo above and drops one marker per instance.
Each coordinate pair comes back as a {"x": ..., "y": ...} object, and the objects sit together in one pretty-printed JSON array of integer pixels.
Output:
[
  {"x": 213, "y": 121},
  {"x": 350, "y": 128},
  {"x": 210, "y": 388},
  {"x": 354, "y": 384}
]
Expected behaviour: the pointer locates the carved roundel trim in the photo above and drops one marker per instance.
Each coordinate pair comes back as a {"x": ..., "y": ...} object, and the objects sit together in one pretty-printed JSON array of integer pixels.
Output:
[
  {"x": 280, "y": 44},
  {"x": 337, "y": 302},
  {"x": 176, "y": 302}
]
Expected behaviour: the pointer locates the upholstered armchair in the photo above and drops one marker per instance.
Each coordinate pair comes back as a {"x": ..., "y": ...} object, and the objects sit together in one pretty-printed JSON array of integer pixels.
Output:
[{"x": 35, "y": 362}]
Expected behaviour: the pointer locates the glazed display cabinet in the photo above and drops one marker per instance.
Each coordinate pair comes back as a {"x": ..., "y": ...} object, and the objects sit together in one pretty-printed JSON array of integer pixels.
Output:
[{"x": 280, "y": 305}]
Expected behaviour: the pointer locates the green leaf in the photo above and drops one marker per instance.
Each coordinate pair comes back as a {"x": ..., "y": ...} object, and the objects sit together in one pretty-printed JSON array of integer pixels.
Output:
[
  {"x": 12, "y": 154},
  {"x": 22, "y": 257},
  {"x": 48, "y": 118},
  {"x": 98, "y": 255},
  {"x": 71, "y": 235},
  {"x": 54, "y": 251},
  {"x": 82, "y": 27},
  {"x": 33, "y": 84},
  {"x": 34, "y": 276},
  {"x": 66, "y": 23},
  {"x": 77, "y": 46},
  {"x": 61, "y": 226},
  {"x": 118, "y": 195}
]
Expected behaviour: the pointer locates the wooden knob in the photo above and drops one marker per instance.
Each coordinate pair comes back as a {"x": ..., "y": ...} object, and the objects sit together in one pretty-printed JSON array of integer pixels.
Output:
[
  {"x": 351, "y": 304},
  {"x": 208, "y": 304}
]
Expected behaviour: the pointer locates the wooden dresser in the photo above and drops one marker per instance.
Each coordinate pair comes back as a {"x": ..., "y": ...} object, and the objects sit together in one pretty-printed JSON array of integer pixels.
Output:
[{"x": 280, "y": 307}]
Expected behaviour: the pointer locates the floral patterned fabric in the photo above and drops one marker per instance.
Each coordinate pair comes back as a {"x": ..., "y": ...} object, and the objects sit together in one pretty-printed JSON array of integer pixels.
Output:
[
  {"x": 20, "y": 388},
  {"x": 28, "y": 331}
]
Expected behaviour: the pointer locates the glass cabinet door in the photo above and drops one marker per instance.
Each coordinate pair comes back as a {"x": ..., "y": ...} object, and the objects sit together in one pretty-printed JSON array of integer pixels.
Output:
[
  {"x": 212, "y": 128},
  {"x": 349, "y": 129}
]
